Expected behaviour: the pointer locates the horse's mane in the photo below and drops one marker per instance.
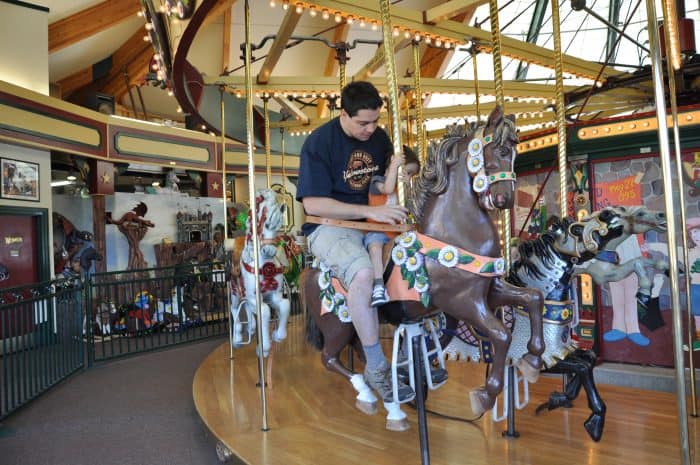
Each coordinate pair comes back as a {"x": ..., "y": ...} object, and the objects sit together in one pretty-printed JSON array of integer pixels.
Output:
[
  {"x": 432, "y": 179},
  {"x": 536, "y": 253}
]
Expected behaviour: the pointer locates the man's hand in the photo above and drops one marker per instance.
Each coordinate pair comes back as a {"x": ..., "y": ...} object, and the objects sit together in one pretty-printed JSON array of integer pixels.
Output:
[{"x": 391, "y": 214}]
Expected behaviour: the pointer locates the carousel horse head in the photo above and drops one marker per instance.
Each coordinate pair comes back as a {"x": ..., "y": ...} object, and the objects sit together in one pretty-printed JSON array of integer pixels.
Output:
[
  {"x": 270, "y": 216},
  {"x": 581, "y": 240},
  {"x": 480, "y": 159},
  {"x": 638, "y": 219}
]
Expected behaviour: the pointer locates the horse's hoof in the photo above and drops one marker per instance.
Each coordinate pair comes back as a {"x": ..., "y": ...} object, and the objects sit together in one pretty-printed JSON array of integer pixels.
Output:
[
  {"x": 594, "y": 425},
  {"x": 397, "y": 425},
  {"x": 368, "y": 408},
  {"x": 480, "y": 401},
  {"x": 530, "y": 372},
  {"x": 558, "y": 399},
  {"x": 279, "y": 337}
]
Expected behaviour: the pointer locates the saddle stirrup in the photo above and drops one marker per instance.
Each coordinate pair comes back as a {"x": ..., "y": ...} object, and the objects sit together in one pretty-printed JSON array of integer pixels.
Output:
[{"x": 408, "y": 331}]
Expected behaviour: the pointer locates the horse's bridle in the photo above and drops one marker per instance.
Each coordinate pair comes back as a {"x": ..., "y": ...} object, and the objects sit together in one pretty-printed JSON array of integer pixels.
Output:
[{"x": 481, "y": 181}]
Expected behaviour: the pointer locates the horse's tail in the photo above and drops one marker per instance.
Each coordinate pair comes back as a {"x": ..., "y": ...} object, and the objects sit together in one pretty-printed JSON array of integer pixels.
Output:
[{"x": 308, "y": 287}]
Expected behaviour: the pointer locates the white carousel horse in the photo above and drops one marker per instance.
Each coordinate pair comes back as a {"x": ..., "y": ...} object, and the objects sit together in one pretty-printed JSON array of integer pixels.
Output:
[
  {"x": 606, "y": 267},
  {"x": 270, "y": 219}
]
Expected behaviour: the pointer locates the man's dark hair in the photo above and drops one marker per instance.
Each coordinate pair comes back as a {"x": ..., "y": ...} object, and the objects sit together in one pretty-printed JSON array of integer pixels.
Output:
[{"x": 360, "y": 95}]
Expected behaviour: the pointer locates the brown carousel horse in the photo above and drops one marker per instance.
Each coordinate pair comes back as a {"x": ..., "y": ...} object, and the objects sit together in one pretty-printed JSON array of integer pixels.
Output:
[{"x": 454, "y": 260}]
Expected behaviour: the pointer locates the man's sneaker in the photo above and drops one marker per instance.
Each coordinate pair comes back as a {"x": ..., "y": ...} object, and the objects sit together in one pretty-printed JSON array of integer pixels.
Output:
[
  {"x": 379, "y": 296},
  {"x": 380, "y": 381},
  {"x": 437, "y": 374}
]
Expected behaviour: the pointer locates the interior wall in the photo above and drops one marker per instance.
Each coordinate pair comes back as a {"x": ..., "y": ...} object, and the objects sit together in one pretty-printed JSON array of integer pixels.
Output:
[
  {"x": 24, "y": 54},
  {"x": 42, "y": 158}
]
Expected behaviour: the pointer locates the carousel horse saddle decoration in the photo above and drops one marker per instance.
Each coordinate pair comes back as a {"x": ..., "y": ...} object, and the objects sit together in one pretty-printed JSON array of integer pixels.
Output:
[
  {"x": 411, "y": 248},
  {"x": 332, "y": 300}
]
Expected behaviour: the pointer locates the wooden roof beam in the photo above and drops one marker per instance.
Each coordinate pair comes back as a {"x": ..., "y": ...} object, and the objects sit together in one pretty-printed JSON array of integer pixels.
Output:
[
  {"x": 340, "y": 34},
  {"x": 319, "y": 84},
  {"x": 300, "y": 116},
  {"x": 452, "y": 30},
  {"x": 450, "y": 9},
  {"x": 226, "y": 41},
  {"x": 90, "y": 21},
  {"x": 289, "y": 23},
  {"x": 132, "y": 48},
  {"x": 221, "y": 8}
]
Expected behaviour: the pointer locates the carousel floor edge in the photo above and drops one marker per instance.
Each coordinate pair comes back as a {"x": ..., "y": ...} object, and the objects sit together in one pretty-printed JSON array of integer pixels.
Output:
[{"x": 312, "y": 419}]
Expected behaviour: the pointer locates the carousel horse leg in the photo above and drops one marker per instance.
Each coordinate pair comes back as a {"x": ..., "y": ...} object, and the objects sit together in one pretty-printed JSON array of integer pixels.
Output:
[
  {"x": 265, "y": 327},
  {"x": 503, "y": 293},
  {"x": 282, "y": 306},
  {"x": 483, "y": 398},
  {"x": 579, "y": 366},
  {"x": 365, "y": 401}
]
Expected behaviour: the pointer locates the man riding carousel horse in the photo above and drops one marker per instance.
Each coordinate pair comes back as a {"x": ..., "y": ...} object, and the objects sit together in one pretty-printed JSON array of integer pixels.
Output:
[{"x": 455, "y": 262}]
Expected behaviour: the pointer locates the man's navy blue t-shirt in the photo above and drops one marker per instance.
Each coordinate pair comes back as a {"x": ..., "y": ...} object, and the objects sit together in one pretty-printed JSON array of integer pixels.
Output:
[{"x": 335, "y": 165}]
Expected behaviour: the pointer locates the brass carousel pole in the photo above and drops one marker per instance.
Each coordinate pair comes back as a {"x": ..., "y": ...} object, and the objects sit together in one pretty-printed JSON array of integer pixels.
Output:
[
  {"x": 560, "y": 108},
  {"x": 409, "y": 128},
  {"x": 268, "y": 157},
  {"x": 284, "y": 166},
  {"x": 500, "y": 100},
  {"x": 664, "y": 155},
  {"x": 253, "y": 212},
  {"x": 670, "y": 17},
  {"x": 390, "y": 65},
  {"x": 476, "y": 82},
  {"x": 422, "y": 151},
  {"x": 223, "y": 177},
  {"x": 505, "y": 216}
]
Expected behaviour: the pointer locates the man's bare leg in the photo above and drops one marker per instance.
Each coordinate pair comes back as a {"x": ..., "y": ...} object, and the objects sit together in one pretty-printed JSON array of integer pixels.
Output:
[{"x": 364, "y": 317}]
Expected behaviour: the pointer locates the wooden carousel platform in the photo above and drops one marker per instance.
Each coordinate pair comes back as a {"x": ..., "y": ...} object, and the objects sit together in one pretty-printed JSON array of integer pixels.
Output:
[{"x": 312, "y": 419}]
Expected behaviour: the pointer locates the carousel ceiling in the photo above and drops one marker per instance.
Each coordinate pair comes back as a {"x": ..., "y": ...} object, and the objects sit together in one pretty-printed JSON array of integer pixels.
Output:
[{"x": 98, "y": 50}]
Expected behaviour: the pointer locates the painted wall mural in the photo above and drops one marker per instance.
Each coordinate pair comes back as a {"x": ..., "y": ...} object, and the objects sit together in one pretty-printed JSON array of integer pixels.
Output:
[
  {"x": 634, "y": 333},
  {"x": 154, "y": 226}
]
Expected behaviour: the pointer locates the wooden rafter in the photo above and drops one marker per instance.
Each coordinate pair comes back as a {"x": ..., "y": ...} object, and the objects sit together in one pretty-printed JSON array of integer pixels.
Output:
[
  {"x": 90, "y": 21},
  {"x": 226, "y": 40},
  {"x": 295, "y": 110},
  {"x": 135, "y": 71},
  {"x": 289, "y": 23},
  {"x": 340, "y": 34},
  {"x": 377, "y": 61},
  {"x": 449, "y": 10},
  {"x": 221, "y": 8},
  {"x": 318, "y": 84},
  {"x": 130, "y": 50},
  {"x": 75, "y": 81},
  {"x": 452, "y": 30}
]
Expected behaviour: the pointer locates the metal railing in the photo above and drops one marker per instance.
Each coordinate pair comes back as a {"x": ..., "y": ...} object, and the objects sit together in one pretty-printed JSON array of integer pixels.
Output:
[
  {"x": 40, "y": 343},
  {"x": 140, "y": 310}
]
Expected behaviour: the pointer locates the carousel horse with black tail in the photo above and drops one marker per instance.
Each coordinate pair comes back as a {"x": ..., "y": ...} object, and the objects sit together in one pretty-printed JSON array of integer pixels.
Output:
[
  {"x": 270, "y": 219},
  {"x": 452, "y": 263},
  {"x": 547, "y": 263}
]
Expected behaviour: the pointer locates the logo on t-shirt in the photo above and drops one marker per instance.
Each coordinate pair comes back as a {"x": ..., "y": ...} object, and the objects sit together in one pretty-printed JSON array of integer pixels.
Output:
[{"x": 360, "y": 169}]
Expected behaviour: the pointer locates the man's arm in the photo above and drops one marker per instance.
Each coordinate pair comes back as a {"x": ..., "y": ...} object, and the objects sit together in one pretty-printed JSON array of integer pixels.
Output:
[{"x": 330, "y": 208}]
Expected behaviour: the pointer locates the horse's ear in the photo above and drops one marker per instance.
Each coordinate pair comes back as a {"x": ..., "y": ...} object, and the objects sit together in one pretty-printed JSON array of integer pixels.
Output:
[
  {"x": 511, "y": 117},
  {"x": 495, "y": 117}
]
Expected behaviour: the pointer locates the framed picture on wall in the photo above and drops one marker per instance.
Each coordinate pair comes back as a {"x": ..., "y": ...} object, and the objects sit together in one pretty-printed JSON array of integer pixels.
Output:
[{"x": 20, "y": 180}]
